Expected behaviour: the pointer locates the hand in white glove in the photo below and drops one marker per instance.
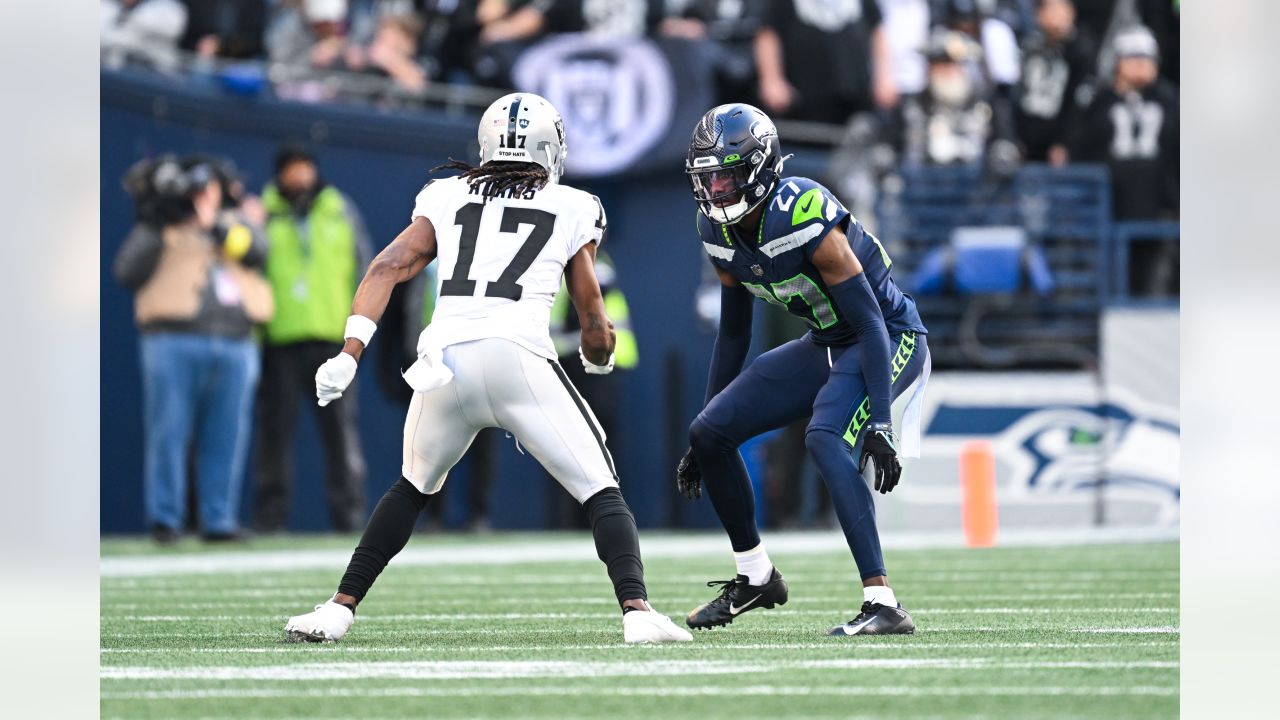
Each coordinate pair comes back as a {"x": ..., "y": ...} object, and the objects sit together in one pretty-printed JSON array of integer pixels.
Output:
[
  {"x": 333, "y": 377},
  {"x": 592, "y": 368}
]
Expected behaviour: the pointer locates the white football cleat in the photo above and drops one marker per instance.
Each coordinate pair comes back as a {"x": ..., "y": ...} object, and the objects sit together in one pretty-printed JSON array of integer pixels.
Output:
[
  {"x": 651, "y": 626},
  {"x": 327, "y": 623}
]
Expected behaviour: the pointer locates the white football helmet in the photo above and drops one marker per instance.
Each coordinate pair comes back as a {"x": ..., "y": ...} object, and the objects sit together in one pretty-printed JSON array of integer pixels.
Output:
[{"x": 523, "y": 127}]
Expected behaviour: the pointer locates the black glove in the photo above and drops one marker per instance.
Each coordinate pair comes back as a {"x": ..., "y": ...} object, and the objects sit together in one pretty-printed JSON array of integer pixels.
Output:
[
  {"x": 689, "y": 477},
  {"x": 881, "y": 446}
]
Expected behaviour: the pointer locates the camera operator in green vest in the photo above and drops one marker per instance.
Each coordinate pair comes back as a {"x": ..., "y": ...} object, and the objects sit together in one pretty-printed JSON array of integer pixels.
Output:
[
  {"x": 602, "y": 393},
  {"x": 319, "y": 250}
]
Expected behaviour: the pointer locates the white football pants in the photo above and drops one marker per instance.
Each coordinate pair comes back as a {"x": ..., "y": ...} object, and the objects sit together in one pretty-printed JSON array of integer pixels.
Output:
[{"x": 497, "y": 383}]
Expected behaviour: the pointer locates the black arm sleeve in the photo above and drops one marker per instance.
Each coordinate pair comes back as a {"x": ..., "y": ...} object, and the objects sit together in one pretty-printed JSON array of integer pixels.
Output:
[
  {"x": 732, "y": 341},
  {"x": 138, "y": 256}
]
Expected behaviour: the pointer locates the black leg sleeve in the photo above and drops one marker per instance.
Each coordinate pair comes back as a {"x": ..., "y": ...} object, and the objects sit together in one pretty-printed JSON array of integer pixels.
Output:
[
  {"x": 617, "y": 543},
  {"x": 386, "y": 534}
]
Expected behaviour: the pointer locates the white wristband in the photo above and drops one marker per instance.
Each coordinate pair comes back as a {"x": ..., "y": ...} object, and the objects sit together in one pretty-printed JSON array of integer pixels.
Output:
[{"x": 360, "y": 328}]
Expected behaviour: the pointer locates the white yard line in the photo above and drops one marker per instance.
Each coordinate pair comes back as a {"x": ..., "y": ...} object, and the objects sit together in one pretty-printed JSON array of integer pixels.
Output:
[
  {"x": 657, "y": 691},
  {"x": 504, "y": 669},
  {"x": 581, "y": 549},
  {"x": 428, "y": 617},
  {"x": 679, "y": 600},
  {"x": 1129, "y": 630},
  {"x": 834, "y": 644}
]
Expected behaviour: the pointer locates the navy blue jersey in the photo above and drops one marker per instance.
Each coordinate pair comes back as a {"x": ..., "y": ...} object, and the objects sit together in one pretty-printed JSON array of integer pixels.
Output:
[{"x": 777, "y": 264}]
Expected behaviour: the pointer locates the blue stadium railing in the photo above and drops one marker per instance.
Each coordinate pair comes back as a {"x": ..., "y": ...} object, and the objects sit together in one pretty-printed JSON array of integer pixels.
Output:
[
  {"x": 1123, "y": 237},
  {"x": 1066, "y": 216}
]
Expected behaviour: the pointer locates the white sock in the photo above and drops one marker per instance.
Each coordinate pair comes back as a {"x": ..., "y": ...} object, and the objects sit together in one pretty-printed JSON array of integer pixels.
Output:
[
  {"x": 755, "y": 564},
  {"x": 881, "y": 594}
]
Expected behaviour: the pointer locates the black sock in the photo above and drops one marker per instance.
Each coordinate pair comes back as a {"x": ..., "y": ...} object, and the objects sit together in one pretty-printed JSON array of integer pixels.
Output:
[
  {"x": 386, "y": 534},
  {"x": 617, "y": 543}
]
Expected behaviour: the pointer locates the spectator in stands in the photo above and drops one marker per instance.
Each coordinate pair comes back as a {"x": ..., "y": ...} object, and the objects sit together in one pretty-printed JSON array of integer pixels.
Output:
[
  {"x": 1133, "y": 127},
  {"x": 530, "y": 18},
  {"x": 987, "y": 23},
  {"x": 319, "y": 251},
  {"x": 1057, "y": 82},
  {"x": 952, "y": 122},
  {"x": 308, "y": 33},
  {"x": 732, "y": 26},
  {"x": 198, "y": 296},
  {"x": 906, "y": 29},
  {"x": 393, "y": 52},
  {"x": 225, "y": 28},
  {"x": 144, "y": 31},
  {"x": 824, "y": 61}
]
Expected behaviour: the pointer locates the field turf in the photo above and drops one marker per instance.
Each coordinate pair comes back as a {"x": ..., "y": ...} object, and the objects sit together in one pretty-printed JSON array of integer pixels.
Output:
[{"x": 1046, "y": 632}]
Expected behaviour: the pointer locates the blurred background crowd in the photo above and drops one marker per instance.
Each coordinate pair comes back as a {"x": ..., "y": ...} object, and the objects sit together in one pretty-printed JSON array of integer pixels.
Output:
[{"x": 1019, "y": 158}]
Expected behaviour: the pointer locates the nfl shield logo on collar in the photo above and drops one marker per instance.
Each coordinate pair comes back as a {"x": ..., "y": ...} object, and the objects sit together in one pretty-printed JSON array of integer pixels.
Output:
[{"x": 757, "y": 270}]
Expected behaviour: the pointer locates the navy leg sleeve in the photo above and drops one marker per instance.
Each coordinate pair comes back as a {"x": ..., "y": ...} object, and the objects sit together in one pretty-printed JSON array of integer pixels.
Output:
[
  {"x": 776, "y": 389},
  {"x": 834, "y": 439}
]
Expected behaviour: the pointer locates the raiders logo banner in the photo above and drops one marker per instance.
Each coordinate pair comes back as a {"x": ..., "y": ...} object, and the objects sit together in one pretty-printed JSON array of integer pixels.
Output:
[{"x": 628, "y": 104}]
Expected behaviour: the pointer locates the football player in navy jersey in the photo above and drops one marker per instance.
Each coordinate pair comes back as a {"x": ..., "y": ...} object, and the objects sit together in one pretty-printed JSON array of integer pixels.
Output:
[{"x": 789, "y": 242}]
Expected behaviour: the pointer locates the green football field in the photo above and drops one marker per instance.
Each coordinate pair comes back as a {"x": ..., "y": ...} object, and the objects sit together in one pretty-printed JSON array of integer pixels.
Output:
[{"x": 516, "y": 626}]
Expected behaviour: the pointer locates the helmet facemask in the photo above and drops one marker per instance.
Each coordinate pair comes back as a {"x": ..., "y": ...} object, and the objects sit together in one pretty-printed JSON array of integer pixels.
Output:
[{"x": 728, "y": 193}]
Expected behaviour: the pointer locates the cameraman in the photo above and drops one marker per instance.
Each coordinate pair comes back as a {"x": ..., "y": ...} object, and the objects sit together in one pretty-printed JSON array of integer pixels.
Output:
[{"x": 197, "y": 297}]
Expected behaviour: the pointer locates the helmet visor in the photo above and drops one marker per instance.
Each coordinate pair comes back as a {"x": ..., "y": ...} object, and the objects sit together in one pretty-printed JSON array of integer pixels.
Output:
[{"x": 720, "y": 186}]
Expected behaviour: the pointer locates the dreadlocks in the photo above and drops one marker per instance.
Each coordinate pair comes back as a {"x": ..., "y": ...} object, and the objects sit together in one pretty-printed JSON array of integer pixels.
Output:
[{"x": 497, "y": 178}]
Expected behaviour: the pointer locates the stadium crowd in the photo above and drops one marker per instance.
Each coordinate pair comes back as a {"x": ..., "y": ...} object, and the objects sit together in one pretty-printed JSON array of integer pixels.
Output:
[{"x": 944, "y": 82}]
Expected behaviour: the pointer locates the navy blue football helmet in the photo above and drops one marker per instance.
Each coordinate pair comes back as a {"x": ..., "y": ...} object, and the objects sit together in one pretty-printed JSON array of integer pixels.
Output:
[{"x": 734, "y": 161}]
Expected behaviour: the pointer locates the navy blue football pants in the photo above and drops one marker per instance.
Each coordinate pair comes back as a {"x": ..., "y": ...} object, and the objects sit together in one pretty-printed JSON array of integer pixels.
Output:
[{"x": 792, "y": 381}]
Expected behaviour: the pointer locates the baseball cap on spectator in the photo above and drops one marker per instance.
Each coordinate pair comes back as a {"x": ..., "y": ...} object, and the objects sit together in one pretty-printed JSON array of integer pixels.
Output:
[
  {"x": 1136, "y": 42},
  {"x": 950, "y": 46},
  {"x": 326, "y": 11}
]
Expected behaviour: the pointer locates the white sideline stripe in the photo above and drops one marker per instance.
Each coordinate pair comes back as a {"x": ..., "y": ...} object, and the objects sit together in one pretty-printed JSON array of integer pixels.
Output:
[
  {"x": 1130, "y": 630},
  {"x": 504, "y": 669},
  {"x": 835, "y": 644},
  {"x": 662, "y": 691},
  {"x": 308, "y": 595},
  {"x": 524, "y": 550},
  {"x": 412, "y": 617},
  {"x": 1027, "y": 579}
]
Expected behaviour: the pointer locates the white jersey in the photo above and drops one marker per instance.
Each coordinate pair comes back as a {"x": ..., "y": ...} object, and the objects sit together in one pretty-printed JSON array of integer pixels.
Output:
[{"x": 501, "y": 261}]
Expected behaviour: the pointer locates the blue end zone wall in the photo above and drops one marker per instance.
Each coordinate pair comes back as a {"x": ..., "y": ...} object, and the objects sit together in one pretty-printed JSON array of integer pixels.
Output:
[{"x": 381, "y": 161}]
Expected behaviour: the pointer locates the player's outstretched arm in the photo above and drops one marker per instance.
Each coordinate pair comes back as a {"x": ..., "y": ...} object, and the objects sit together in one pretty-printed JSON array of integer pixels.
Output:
[
  {"x": 851, "y": 292},
  {"x": 405, "y": 257},
  {"x": 857, "y": 302},
  {"x": 399, "y": 262},
  {"x": 598, "y": 337},
  {"x": 733, "y": 338}
]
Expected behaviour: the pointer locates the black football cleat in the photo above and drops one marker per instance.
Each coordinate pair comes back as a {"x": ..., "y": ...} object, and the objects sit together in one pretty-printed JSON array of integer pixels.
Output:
[
  {"x": 736, "y": 597},
  {"x": 877, "y": 619}
]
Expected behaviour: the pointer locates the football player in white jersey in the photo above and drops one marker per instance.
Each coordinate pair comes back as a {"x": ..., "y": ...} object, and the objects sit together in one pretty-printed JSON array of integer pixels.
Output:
[{"x": 504, "y": 233}]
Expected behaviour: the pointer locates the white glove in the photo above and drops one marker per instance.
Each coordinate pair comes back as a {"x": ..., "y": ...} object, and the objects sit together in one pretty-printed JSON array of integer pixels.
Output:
[
  {"x": 592, "y": 368},
  {"x": 333, "y": 377}
]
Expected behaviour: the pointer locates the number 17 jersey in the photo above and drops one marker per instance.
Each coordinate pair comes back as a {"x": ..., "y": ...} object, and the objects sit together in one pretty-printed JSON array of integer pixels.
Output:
[{"x": 501, "y": 258}]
